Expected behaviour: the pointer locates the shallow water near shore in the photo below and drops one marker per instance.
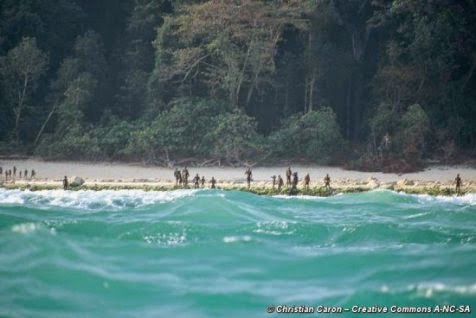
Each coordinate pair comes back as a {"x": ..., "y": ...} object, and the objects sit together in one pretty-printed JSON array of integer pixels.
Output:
[{"x": 204, "y": 253}]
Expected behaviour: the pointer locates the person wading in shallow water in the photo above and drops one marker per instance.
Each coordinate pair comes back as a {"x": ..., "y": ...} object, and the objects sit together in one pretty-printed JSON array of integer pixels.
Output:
[
  {"x": 288, "y": 176},
  {"x": 213, "y": 182},
  {"x": 196, "y": 181},
  {"x": 177, "y": 177},
  {"x": 65, "y": 183},
  {"x": 185, "y": 176},
  {"x": 280, "y": 182},
  {"x": 458, "y": 183},
  {"x": 248, "y": 176},
  {"x": 294, "y": 183},
  {"x": 307, "y": 180},
  {"x": 327, "y": 182}
]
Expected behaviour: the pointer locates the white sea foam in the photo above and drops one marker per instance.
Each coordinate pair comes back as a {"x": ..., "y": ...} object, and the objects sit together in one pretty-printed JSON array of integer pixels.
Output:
[
  {"x": 167, "y": 239},
  {"x": 301, "y": 197},
  {"x": 234, "y": 239},
  {"x": 273, "y": 228},
  {"x": 24, "y": 228},
  {"x": 428, "y": 289},
  {"x": 91, "y": 200},
  {"x": 467, "y": 199}
]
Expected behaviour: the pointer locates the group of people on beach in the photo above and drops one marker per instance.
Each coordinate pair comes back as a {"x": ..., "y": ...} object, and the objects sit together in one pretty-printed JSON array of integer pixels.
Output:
[
  {"x": 292, "y": 180},
  {"x": 11, "y": 174},
  {"x": 181, "y": 179}
]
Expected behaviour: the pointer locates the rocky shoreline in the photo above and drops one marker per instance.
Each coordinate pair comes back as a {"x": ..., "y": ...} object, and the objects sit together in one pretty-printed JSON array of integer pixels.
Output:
[{"x": 258, "y": 187}]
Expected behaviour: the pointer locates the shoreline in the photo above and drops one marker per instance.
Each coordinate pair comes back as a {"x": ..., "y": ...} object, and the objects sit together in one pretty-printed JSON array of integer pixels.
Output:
[
  {"x": 259, "y": 188},
  {"x": 435, "y": 180}
]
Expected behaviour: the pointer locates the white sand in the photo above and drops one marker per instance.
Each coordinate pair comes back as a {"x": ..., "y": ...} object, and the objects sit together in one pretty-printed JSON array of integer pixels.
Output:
[{"x": 121, "y": 171}]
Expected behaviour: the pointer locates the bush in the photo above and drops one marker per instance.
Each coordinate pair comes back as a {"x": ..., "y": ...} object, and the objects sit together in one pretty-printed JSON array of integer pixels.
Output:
[
  {"x": 408, "y": 132},
  {"x": 314, "y": 135},
  {"x": 385, "y": 121},
  {"x": 183, "y": 130},
  {"x": 234, "y": 136},
  {"x": 112, "y": 138},
  {"x": 76, "y": 144},
  {"x": 415, "y": 126}
]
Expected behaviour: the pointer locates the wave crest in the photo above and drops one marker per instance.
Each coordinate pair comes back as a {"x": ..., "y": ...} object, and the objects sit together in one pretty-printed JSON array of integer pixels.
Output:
[{"x": 89, "y": 199}]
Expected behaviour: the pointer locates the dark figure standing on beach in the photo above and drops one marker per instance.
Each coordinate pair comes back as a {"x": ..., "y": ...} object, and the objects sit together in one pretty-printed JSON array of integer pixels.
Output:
[
  {"x": 1, "y": 171},
  {"x": 196, "y": 181},
  {"x": 185, "y": 176},
  {"x": 458, "y": 182},
  {"x": 295, "y": 181},
  {"x": 25, "y": 174},
  {"x": 327, "y": 182},
  {"x": 20, "y": 174},
  {"x": 213, "y": 181},
  {"x": 33, "y": 173},
  {"x": 65, "y": 183},
  {"x": 203, "y": 181},
  {"x": 177, "y": 177},
  {"x": 307, "y": 180},
  {"x": 274, "y": 181},
  {"x": 14, "y": 171},
  {"x": 288, "y": 176},
  {"x": 6, "y": 175},
  {"x": 248, "y": 176},
  {"x": 280, "y": 182}
]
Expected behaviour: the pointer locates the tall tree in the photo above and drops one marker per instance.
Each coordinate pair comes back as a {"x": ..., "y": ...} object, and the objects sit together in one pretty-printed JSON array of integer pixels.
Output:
[
  {"x": 227, "y": 46},
  {"x": 22, "y": 68}
]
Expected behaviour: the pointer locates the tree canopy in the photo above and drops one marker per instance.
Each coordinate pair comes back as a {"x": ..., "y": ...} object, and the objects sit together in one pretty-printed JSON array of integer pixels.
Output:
[{"x": 375, "y": 82}]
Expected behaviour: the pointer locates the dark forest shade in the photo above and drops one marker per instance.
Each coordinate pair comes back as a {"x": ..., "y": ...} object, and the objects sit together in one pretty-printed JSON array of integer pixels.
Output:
[{"x": 386, "y": 82}]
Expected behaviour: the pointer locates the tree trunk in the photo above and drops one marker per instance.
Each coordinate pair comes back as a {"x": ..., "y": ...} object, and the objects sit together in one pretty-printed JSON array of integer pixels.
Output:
[
  {"x": 253, "y": 84},
  {"x": 311, "y": 90},
  {"x": 243, "y": 70},
  {"x": 38, "y": 136},
  {"x": 470, "y": 74},
  {"x": 306, "y": 86},
  {"x": 21, "y": 100},
  {"x": 349, "y": 106}
]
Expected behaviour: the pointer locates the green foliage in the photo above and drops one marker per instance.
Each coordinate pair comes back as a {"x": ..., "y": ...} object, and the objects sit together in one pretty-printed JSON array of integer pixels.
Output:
[
  {"x": 407, "y": 132},
  {"x": 234, "y": 136},
  {"x": 21, "y": 69},
  {"x": 112, "y": 138},
  {"x": 414, "y": 128},
  {"x": 385, "y": 120},
  {"x": 314, "y": 135},
  {"x": 183, "y": 130},
  {"x": 157, "y": 79},
  {"x": 75, "y": 143}
]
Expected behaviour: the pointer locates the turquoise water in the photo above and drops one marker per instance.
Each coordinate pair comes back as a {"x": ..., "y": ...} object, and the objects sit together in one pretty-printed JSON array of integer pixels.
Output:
[{"x": 230, "y": 254}]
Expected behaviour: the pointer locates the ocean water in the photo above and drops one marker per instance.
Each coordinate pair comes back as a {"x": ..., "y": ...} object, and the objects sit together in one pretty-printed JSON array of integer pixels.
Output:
[{"x": 205, "y": 253}]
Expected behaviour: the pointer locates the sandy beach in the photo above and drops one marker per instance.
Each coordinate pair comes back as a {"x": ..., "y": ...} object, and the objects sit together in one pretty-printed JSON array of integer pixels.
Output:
[{"x": 51, "y": 173}]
